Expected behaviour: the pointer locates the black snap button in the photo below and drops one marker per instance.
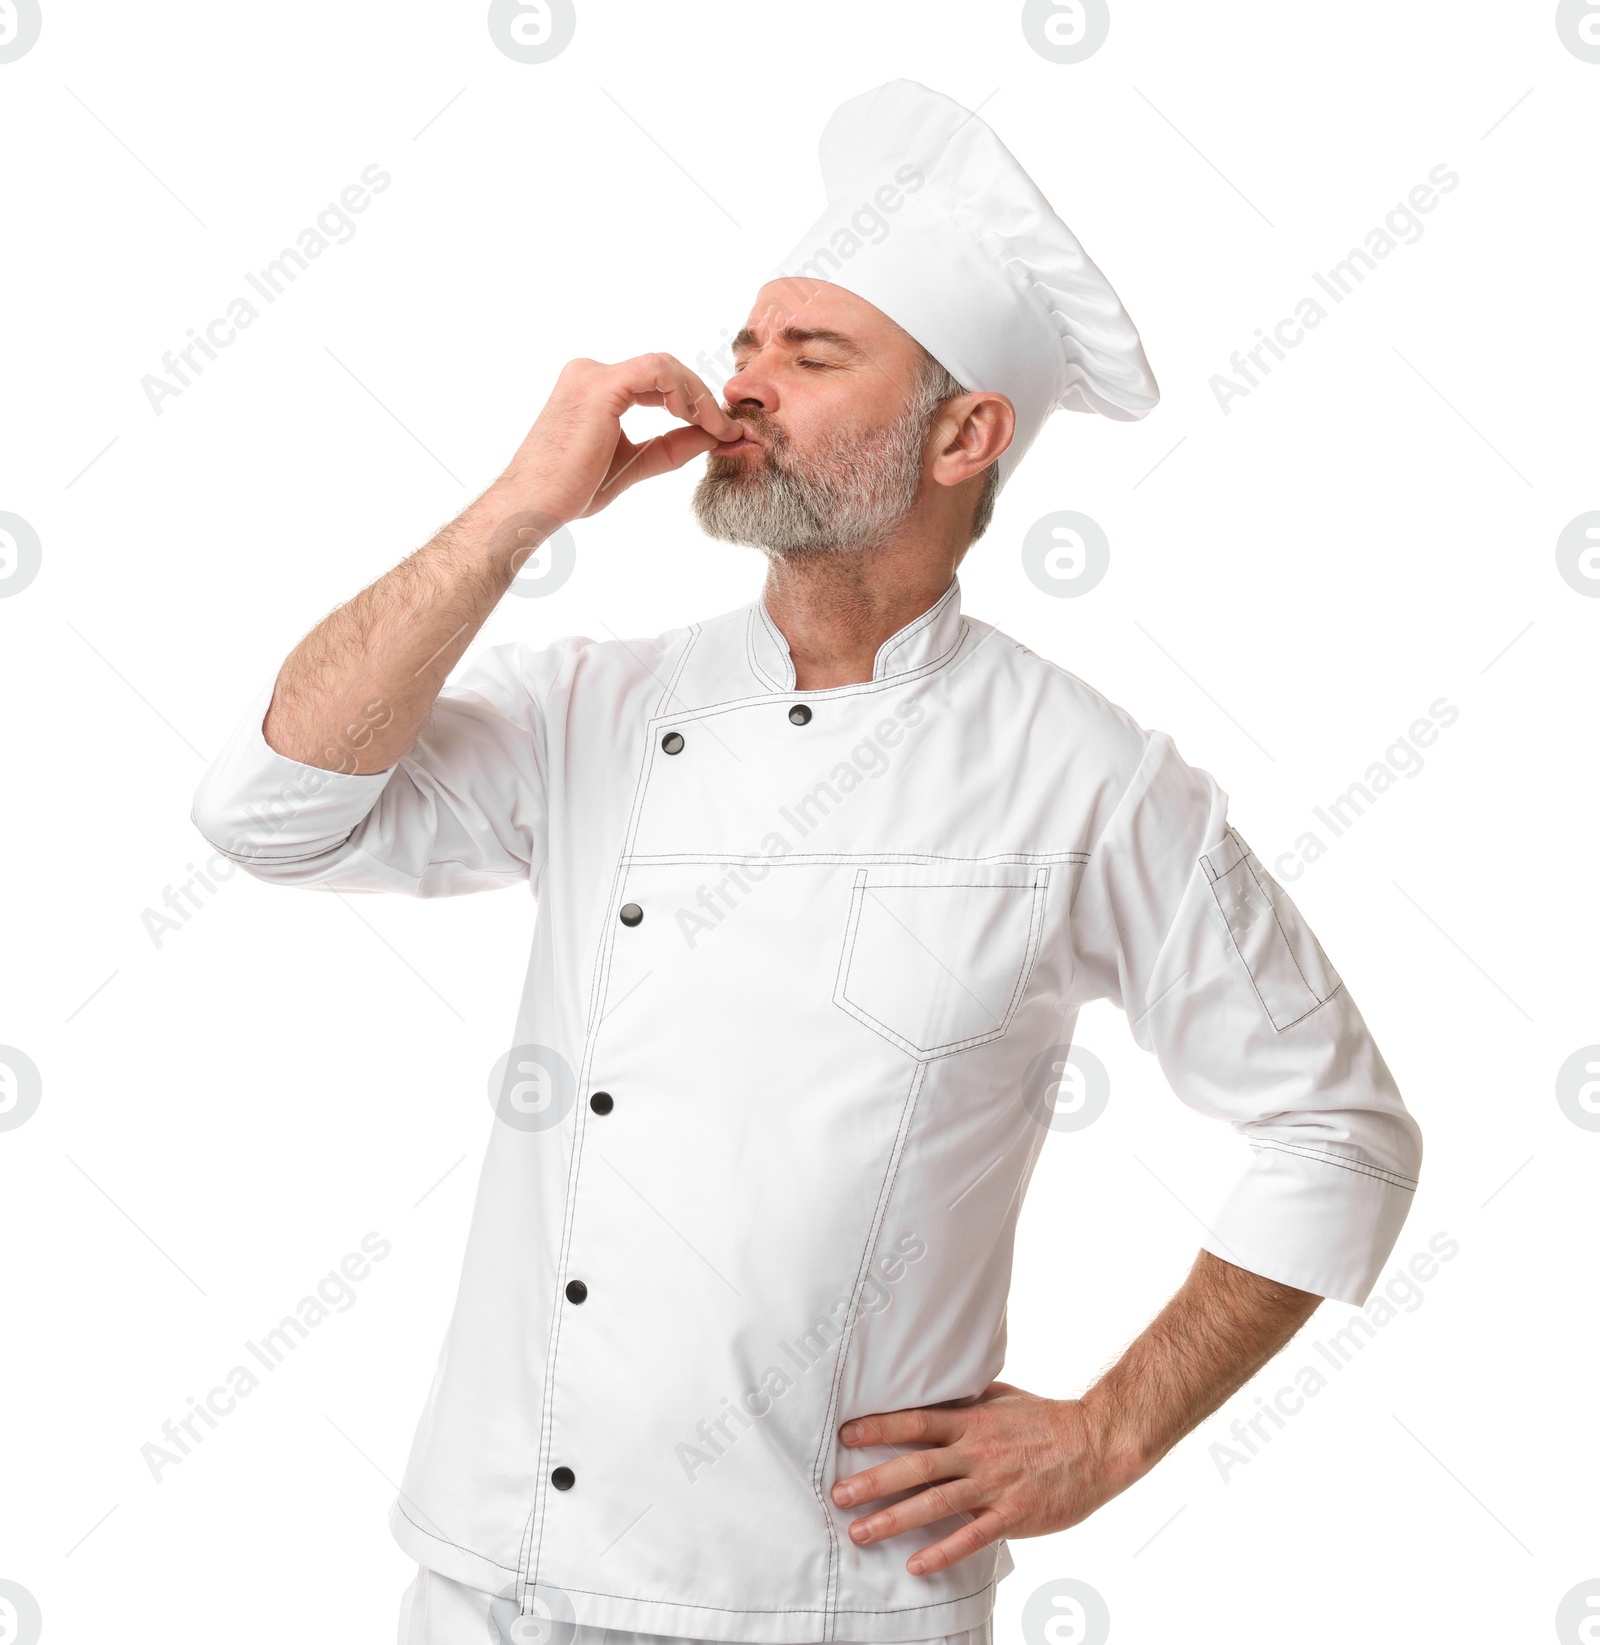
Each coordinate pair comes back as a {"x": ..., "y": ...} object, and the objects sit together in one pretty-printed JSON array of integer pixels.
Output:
[
  {"x": 601, "y": 1102},
  {"x": 631, "y": 913},
  {"x": 563, "y": 1478},
  {"x": 800, "y": 714},
  {"x": 672, "y": 743},
  {"x": 576, "y": 1290}
]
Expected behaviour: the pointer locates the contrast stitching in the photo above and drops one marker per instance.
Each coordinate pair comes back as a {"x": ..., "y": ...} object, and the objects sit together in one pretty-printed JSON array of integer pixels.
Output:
[
  {"x": 680, "y": 1605},
  {"x": 257, "y": 856},
  {"x": 1228, "y": 924},
  {"x": 851, "y": 924},
  {"x": 1248, "y": 862},
  {"x": 784, "y": 1610},
  {"x": 750, "y": 651},
  {"x": 907, "y": 1112},
  {"x": 780, "y": 640},
  {"x": 1337, "y": 1158},
  {"x": 602, "y": 971},
  {"x": 762, "y": 676},
  {"x": 1041, "y": 893},
  {"x": 477, "y": 868},
  {"x": 1304, "y": 1014},
  {"x": 1295, "y": 958},
  {"x": 525, "y": 1543},
  {"x": 1393, "y": 1178},
  {"x": 896, "y": 858},
  {"x": 862, "y": 688},
  {"x": 670, "y": 689},
  {"x": 1321, "y": 1001},
  {"x": 435, "y": 1537},
  {"x": 953, "y": 885},
  {"x": 1039, "y": 888},
  {"x": 926, "y": 620}
]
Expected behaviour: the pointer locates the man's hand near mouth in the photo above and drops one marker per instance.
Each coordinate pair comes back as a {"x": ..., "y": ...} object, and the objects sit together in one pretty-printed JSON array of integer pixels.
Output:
[{"x": 397, "y": 640}]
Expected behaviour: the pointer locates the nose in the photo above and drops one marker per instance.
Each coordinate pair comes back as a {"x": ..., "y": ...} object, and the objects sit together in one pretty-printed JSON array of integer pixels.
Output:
[{"x": 750, "y": 387}]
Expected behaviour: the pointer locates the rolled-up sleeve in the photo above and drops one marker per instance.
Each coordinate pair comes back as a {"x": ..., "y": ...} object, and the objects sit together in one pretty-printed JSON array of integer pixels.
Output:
[
  {"x": 1220, "y": 976},
  {"x": 463, "y": 811}
]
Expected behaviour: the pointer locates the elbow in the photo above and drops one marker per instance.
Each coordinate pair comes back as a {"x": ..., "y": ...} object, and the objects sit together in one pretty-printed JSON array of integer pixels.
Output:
[
  {"x": 220, "y": 817},
  {"x": 265, "y": 834},
  {"x": 228, "y": 821}
]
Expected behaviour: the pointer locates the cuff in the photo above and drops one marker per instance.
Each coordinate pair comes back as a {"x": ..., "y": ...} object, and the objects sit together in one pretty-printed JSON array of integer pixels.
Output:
[
  {"x": 264, "y": 810},
  {"x": 1324, "y": 1224}
]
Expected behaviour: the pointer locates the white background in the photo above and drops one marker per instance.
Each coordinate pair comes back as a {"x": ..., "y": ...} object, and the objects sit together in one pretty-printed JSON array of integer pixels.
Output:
[{"x": 225, "y": 1115}]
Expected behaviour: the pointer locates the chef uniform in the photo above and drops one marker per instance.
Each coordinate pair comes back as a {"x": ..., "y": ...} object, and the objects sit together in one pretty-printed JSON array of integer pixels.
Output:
[{"x": 805, "y": 971}]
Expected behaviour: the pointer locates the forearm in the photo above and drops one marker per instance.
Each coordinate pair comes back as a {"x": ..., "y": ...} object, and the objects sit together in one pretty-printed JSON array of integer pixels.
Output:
[
  {"x": 1013, "y": 1464},
  {"x": 1223, "y": 1324},
  {"x": 354, "y": 693}
]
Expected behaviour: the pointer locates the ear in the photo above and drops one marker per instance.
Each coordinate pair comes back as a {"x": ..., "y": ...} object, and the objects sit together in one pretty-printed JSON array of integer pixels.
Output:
[{"x": 969, "y": 432}]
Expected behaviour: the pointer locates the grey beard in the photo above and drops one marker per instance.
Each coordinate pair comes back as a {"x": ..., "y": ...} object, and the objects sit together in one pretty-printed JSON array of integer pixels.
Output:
[{"x": 848, "y": 497}]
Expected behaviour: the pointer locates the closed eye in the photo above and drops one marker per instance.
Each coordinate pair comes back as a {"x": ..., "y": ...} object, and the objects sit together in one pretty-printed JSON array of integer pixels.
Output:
[{"x": 810, "y": 365}]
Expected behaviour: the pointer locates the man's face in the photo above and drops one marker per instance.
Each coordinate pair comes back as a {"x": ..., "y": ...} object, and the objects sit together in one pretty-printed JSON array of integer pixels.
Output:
[{"x": 830, "y": 389}]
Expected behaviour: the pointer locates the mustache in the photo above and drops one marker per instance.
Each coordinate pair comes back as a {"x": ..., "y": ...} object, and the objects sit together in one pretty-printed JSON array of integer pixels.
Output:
[{"x": 765, "y": 429}]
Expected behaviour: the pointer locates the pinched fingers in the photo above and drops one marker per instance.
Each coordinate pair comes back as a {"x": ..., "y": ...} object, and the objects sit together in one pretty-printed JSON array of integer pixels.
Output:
[
  {"x": 661, "y": 380},
  {"x": 659, "y": 455}
]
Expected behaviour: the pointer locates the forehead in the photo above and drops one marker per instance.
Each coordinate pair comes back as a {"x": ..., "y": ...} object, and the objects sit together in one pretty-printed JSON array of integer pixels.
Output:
[{"x": 798, "y": 307}]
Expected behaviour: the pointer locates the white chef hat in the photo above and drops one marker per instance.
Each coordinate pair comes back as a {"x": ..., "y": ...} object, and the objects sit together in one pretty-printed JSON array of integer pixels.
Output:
[{"x": 932, "y": 221}]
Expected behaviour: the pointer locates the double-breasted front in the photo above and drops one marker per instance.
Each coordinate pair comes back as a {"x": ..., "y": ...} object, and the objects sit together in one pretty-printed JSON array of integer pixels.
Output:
[{"x": 805, "y": 971}]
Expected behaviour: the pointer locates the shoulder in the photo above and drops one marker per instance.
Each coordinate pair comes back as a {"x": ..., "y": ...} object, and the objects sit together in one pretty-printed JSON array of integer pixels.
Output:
[
  {"x": 1056, "y": 702},
  {"x": 1094, "y": 743},
  {"x": 528, "y": 671}
]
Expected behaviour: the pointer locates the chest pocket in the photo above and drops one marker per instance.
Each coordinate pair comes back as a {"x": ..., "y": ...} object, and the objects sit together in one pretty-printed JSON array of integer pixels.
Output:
[{"x": 936, "y": 959}]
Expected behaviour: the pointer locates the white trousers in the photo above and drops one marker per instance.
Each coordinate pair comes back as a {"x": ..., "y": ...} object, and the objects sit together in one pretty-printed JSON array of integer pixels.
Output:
[{"x": 438, "y": 1611}]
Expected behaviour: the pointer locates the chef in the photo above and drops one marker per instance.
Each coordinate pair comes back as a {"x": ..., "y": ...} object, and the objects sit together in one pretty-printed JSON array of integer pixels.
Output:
[{"x": 822, "y": 884}]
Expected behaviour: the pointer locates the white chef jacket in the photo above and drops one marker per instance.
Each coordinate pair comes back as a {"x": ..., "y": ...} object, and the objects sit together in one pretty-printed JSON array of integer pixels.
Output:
[{"x": 804, "y": 971}]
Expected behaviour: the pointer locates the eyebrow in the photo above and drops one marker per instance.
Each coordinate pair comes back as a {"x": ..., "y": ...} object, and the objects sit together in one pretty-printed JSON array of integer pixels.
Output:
[{"x": 746, "y": 338}]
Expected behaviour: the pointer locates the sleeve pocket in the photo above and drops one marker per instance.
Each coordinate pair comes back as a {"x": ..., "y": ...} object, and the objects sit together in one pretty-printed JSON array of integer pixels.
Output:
[{"x": 1290, "y": 973}]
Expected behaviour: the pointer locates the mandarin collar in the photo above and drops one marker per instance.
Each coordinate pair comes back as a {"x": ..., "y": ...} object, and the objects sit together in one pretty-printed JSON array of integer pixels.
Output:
[{"x": 924, "y": 641}]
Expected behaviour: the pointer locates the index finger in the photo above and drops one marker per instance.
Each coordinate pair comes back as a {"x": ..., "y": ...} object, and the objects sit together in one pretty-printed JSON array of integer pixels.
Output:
[
  {"x": 921, "y": 1425},
  {"x": 661, "y": 379}
]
